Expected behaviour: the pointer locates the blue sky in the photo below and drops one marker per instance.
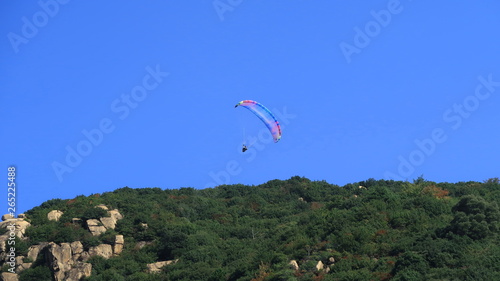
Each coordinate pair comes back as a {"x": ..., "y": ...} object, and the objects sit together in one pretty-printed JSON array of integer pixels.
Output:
[{"x": 98, "y": 96}]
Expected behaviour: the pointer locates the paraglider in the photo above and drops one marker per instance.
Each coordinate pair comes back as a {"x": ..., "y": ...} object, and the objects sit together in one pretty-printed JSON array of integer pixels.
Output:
[{"x": 265, "y": 116}]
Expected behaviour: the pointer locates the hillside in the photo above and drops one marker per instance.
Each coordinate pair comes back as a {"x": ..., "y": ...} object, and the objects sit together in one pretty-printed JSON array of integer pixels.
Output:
[{"x": 295, "y": 229}]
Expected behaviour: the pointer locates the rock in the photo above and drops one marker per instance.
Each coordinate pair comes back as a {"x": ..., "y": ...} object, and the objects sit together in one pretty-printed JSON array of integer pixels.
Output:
[
  {"x": 3, "y": 249},
  {"x": 156, "y": 266},
  {"x": 80, "y": 271},
  {"x": 19, "y": 259},
  {"x": 54, "y": 215},
  {"x": 21, "y": 226},
  {"x": 7, "y": 276},
  {"x": 76, "y": 250},
  {"x": 115, "y": 214},
  {"x": 102, "y": 206},
  {"x": 76, "y": 220},
  {"x": 34, "y": 250},
  {"x": 331, "y": 260},
  {"x": 118, "y": 246},
  {"x": 144, "y": 225},
  {"x": 7, "y": 217},
  {"x": 85, "y": 256},
  {"x": 320, "y": 266},
  {"x": 103, "y": 250},
  {"x": 21, "y": 216},
  {"x": 108, "y": 222},
  {"x": 18, "y": 226},
  {"x": 23, "y": 266},
  {"x": 76, "y": 247},
  {"x": 95, "y": 227},
  {"x": 60, "y": 259},
  {"x": 294, "y": 265}
]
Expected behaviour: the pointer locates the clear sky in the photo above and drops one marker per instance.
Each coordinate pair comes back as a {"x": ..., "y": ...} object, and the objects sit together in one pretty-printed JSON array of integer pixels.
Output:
[{"x": 100, "y": 95}]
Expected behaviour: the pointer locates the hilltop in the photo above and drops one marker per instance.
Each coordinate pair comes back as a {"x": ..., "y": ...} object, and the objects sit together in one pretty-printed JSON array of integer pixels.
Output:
[{"x": 294, "y": 229}]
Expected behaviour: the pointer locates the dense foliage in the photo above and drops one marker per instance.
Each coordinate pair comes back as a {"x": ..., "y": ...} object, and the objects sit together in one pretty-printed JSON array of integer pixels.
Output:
[{"x": 371, "y": 230}]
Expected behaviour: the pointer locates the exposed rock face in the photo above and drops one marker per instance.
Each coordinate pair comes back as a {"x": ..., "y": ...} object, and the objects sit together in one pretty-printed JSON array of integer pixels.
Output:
[
  {"x": 22, "y": 266},
  {"x": 95, "y": 227},
  {"x": 17, "y": 226},
  {"x": 7, "y": 276},
  {"x": 156, "y": 266},
  {"x": 59, "y": 258},
  {"x": 103, "y": 250},
  {"x": 7, "y": 217},
  {"x": 294, "y": 265},
  {"x": 102, "y": 206},
  {"x": 331, "y": 260},
  {"x": 115, "y": 214},
  {"x": 80, "y": 271},
  {"x": 54, "y": 215},
  {"x": 320, "y": 266},
  {"x": 118, "y": 246},
  {"x": 77, "y": 251},
  {"x": 65, "y": 263},
  {"x": 108, "y": 222}
]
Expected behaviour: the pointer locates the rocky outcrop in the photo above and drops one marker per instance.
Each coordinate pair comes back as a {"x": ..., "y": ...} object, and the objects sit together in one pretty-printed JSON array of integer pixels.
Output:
[
  {"x": 320, "y": 266},
  {"x": 331, "y": 260},
  {"x": 102, "y": 206},
  {"x": 294, "y": 265},
  {"x": 95, "y": 227},
  {"x": 35, "y": 250},
  {"x": 65, "y": 261},
  {"x": 18, "y": 226},
  {"x": 115, "y": 214},
  {"x": 103, "y": 250},
  {"x": 118, "y": 246},
  {"x": 108, "y": 222},
  {"x": 7, "y": 217},
  {"x": 7, "y": 276},
  {"x": 79, "y": 271},
  {"x": 59, "y": 258},
  {"x": 156, "y": 266},
  {"x": 54, "y": 215}
]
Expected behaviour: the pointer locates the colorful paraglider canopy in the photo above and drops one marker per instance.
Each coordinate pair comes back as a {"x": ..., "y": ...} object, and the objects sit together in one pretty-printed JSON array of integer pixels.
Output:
[{"x": 265, "y": 115}]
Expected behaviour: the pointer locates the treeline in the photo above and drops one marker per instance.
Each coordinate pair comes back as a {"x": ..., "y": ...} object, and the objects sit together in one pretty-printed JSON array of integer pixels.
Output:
[{"x": 371, "y": 230}]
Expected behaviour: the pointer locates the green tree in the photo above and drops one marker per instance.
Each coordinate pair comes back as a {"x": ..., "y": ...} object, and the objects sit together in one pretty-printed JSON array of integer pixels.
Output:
[{"x": 475, "y": 217}]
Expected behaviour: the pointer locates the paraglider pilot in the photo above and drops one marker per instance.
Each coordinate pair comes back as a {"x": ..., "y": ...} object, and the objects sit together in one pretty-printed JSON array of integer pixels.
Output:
[{"x": 244, "y": 148}]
